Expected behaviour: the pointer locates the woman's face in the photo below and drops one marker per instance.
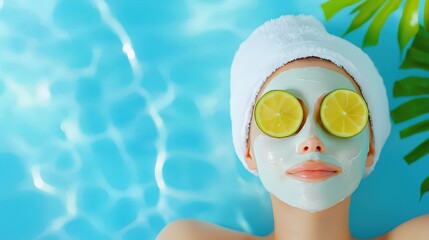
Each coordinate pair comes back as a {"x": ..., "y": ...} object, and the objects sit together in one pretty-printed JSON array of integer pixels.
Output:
[{"x": 312, "y": 169}]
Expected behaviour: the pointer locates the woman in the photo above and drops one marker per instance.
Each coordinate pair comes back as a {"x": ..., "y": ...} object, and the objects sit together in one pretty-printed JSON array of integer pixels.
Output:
[{"x": 290, "y": 83}]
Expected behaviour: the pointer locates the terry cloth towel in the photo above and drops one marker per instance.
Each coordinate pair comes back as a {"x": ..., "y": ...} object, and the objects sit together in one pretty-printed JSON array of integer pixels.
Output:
[{"x": 283, "y": 40}]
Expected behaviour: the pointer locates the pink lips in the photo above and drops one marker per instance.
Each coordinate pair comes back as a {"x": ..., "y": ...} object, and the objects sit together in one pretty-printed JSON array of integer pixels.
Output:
[{"x": 313, "y": 171}]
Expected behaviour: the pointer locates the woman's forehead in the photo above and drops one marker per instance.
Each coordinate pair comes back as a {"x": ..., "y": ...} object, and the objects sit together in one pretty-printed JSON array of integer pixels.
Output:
[
  {"x": 309, "y": 83},
  {"x": 308, "y": 62}
]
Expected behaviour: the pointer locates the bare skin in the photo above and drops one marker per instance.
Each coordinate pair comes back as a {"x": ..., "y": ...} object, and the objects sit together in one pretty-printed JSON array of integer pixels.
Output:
[{"x": 291, "y": 222}]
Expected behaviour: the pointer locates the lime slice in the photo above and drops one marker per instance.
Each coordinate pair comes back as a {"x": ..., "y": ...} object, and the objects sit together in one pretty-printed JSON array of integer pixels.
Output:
[
  {"x": 344, "y": 113},
  {"x": 278, "y": 113}
]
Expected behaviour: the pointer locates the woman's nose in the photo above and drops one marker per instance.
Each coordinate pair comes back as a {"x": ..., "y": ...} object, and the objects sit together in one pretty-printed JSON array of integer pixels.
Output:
[{"x": 313, "y": 144}]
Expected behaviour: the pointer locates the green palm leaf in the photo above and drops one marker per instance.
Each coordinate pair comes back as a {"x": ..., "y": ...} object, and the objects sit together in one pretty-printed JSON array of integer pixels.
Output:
[
  {"x": 424, "y": 188},
  {"x": 418, "y": 152},
  {"x": 366, "y": 10},
  {"x": 409, "y": 24},
  {"x": 418, "y": 53},
  {"x": 414, "y": 129},
  {"x": 426, "y": 16},
  {"x": 410, "y": 109},
  {"x": 332, "y": 7},
  {"x": 371, "y": 36},
  {"x": 411, "y": 86}
]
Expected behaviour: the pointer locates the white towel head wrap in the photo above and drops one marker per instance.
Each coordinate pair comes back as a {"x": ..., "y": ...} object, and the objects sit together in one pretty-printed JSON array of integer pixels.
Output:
[{"x": 288, "y": 38}]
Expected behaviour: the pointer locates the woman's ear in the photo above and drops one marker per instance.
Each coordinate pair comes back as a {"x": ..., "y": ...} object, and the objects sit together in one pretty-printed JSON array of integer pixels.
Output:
[
  {"x": 250, "y": 160},
  {"x": 370, "y": 157}
]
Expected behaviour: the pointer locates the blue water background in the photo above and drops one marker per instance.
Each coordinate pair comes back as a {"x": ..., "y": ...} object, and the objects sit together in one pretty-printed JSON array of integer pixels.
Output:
[{"x": 114, "y": 120}]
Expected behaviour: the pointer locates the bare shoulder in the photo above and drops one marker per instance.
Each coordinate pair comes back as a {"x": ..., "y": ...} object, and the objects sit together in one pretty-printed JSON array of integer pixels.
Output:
[
  {"x": 416, "y": 229},
  {"x": 188, "y": 229}
]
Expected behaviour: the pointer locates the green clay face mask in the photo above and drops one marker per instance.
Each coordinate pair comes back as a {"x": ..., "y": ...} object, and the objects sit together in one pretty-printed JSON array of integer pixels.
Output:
[{"x": 312, "y": 169}]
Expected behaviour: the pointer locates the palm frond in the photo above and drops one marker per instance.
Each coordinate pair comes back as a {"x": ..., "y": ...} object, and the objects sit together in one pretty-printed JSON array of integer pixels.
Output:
[
  {"x": 418, "y": 54},
  {"x": 424, "y": 188},
  {"x": 418, "y": 152},
  {"x": 365, "y": 11},
  {"x": 414, "y": 129},
  {"x": 409, "y": 24},
  {"x": 332, "y": 7},
  {"x": 374, "y": 29},
  {"x": 426, "y": 16},
  {"x": 410, "y": 109},
  {"x": 411, "y": 86}
]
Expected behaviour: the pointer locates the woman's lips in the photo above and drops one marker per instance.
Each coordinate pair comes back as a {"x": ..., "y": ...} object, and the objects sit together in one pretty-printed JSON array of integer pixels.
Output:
[{"x": 313, "y": 171}]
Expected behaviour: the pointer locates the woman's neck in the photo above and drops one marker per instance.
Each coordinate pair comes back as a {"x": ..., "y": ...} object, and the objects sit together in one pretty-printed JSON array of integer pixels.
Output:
[{"x": 292, "y": 223}]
